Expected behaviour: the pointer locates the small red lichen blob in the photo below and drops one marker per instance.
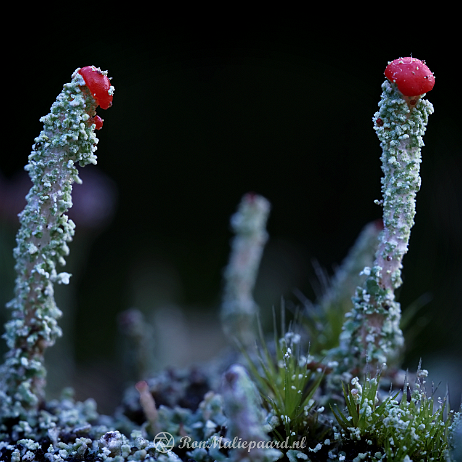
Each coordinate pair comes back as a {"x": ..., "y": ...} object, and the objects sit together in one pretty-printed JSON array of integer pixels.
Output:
[
  {"x": 411, "y": 75},
  {"x": 97, "y": 120},
  {"x": 98, "y": 84}
]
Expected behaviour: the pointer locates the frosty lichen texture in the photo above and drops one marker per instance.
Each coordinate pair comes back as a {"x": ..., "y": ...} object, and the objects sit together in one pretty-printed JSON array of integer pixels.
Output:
[
  {"x": 67, "y": 137},
  {"x": 372, "y": 327},
  {"x": 239, "y": 309}
]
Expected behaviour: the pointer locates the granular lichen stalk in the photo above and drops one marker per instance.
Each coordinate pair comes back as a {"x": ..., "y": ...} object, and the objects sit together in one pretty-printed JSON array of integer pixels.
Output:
[
  {"x": 401, "y": 139},
  {"x": 372, "y": 328},
  {"x": 67, "y": 137}
]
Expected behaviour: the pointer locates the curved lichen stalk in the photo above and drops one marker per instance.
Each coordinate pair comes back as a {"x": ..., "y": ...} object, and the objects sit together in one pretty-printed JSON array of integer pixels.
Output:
[
  {"x": 68, "y": 137},
  {"x": 372, "y": 327}
]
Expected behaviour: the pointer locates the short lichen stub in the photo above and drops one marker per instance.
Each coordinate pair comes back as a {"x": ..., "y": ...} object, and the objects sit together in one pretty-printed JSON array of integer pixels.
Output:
[
  {"x": 68, "y": 136},
  {"x": 372, "y": 328}
]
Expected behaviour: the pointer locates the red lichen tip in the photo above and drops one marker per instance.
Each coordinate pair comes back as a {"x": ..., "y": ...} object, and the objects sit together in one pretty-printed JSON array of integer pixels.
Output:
[
  {"x": 98, "y": 84},
  {"x": 142, "y": 386},
  {"x": 411, "y": 75}
]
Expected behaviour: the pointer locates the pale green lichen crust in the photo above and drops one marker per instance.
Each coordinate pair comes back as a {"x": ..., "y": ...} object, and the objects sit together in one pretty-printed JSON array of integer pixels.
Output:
[
  {"x": 67, "y": 137},
  {"x": 372, "y": 328}
]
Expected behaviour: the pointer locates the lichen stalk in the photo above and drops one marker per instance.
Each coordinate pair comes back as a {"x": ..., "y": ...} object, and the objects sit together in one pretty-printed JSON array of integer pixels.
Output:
[
  {"x": 239, "y": 310},
  {"x": 400, "y": 133},
  {"x": 68, "y": 137},
  {"x": 372, "y": 327}
]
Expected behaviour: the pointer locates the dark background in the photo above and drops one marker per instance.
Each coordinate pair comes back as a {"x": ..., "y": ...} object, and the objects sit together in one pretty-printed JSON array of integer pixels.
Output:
[{"x": 200, "y": 117}]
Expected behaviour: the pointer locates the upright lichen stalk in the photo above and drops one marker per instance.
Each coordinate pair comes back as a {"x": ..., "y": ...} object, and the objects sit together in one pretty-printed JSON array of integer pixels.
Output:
[
  {"x": 400, "y": 130},
  {"x": 67, "y": 137},
  {"x": 372, "y": 328},
  {"x": 239, "y": 310}
]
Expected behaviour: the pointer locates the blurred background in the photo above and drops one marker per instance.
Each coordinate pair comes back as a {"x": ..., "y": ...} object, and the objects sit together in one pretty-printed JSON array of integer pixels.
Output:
[{"x": 200, "y": 117}]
